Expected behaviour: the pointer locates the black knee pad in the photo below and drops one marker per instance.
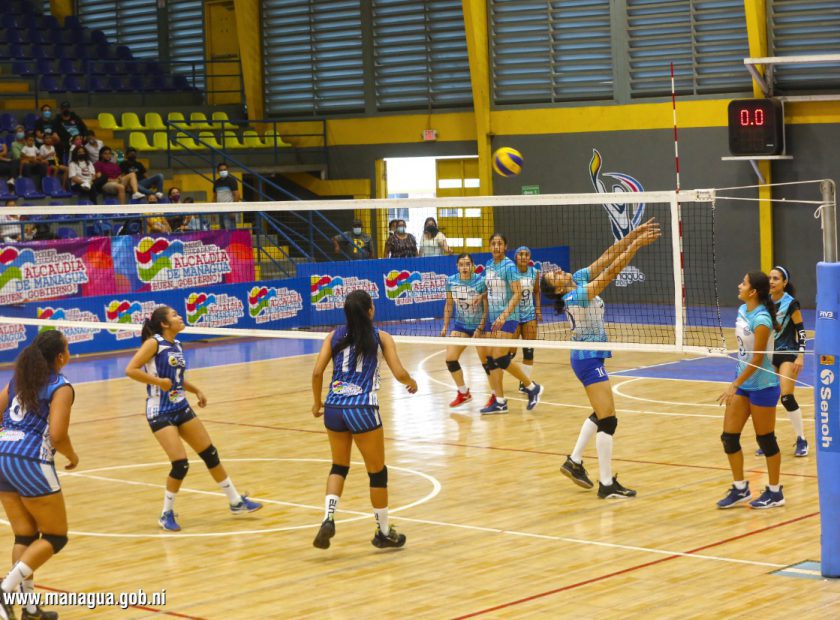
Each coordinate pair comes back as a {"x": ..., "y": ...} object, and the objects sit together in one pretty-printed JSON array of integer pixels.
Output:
[
  {"x": 528, "y": 354},
  {"x": 768, "y": 444},
  {"x": 489, "y": 365},
  {"x": 58, "y": 542},
  {"x": 210, "y": 456},
  {"x": 25, "y": 540},
  {"x": 179, "y": 469},
  {"x": 504, "y": 361},
  {"x": 607, "y": 425},
  {"x": 339, "y": 470},
  {"x": 379, "y": 480},
  {"x": 453, "y": 366},
  {"x": 789, "y": 402},
  {"x": 731, "y": 442},
  {"x": 594, "y": 417}
]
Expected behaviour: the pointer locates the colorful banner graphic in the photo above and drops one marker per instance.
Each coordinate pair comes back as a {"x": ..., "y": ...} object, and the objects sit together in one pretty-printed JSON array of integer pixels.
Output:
[{"x": 268, "y": 303}]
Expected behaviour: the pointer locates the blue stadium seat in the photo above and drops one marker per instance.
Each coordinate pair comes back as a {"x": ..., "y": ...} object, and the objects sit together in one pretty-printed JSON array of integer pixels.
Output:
[
  {"x": 7, "y": 122},
  {"x": 22, "y": 68},
  {"x": 124, "y": 53},
  {"x": 49, "y": 84},
  {"x": 7, "y": 20},
  {"x": 67, "y": 66},
  {"x": 29, "y": 121},
  {"x": 73, "y": 84},
  {"x": 5, "y": 194},
  {"x": 46, "y": 67},
  {"x": 65, "y": 232},
  {"x": 95, "y": 85},
  {"x": 71, "y": 22},
  {"x": 25, "y": 188},
  {"x": 52, "y": 188},
  {"x": 99, "y": 38}
]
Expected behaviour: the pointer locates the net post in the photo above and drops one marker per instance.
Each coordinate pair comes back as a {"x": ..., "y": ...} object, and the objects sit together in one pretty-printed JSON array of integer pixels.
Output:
[
  {"x": 679, "y": 276},
  {"x": 826, "y": 386}
]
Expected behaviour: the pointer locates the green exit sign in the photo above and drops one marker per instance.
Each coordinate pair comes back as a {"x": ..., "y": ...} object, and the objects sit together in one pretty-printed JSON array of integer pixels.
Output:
[{"x": 530, "y": 190}]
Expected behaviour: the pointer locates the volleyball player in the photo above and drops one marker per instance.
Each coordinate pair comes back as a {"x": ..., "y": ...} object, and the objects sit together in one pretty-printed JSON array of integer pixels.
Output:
[
  {"x": 160, "y": 364},
  {"x": 466, "y": 295},
  {"x": 351, "y": 412},
  {"x": 36, "y": 416},
  {"x": 530, "y": 307},
  {"x": 578, "y": 295},
  {"x": 754, "y": 393},
  {"x": 504, "y": 292}
]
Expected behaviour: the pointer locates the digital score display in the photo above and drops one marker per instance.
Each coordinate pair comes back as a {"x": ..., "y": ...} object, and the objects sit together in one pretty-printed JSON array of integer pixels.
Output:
[{"x": 756, "y": 127}]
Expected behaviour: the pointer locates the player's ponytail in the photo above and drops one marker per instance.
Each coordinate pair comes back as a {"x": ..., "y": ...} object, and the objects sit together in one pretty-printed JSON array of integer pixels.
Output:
[
  {"x": 154, "y": 324},
  {"x": 35, "y": 365},
  {"x": 357, "y": 306},
  {"x": 761, "y": 283},
  {"x": 551, "y": 293},
  {"x": 790, "y": 289}
]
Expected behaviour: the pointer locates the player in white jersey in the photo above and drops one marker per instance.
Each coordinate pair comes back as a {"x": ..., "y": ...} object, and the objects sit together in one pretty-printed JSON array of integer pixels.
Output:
[
  {"x": 160, "y": 364},
  {"x": 351, "y": 412},
  {"x": 753, "y": 394},
  {"x": 577, "y": 295}
]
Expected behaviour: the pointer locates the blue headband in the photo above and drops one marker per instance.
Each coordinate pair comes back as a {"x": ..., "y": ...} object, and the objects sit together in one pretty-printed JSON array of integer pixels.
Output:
[
  {"x": 522, "y": 248},
  {"x": 784, "y": 271}
]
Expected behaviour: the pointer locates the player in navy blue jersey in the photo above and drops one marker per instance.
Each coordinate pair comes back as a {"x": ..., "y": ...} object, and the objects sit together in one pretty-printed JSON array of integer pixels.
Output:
[
  {"x": 160, "y": 364},
  {"x": 577, "y": 295},
  {"x": 351, "y": 412},
  {"x": 466, "y": 297},
  {"x": 530, "y": 307},
  {"x": 36, "y": 416}
]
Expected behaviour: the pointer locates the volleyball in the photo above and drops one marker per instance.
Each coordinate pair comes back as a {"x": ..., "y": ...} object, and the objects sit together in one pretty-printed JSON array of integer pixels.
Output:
[{"x": 507, "y": 162}]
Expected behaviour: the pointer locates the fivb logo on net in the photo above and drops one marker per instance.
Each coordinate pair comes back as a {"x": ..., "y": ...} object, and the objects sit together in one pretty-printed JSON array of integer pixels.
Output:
[
  {"x": 623, "y": 217},
  {"x": 827, "y": 377}
]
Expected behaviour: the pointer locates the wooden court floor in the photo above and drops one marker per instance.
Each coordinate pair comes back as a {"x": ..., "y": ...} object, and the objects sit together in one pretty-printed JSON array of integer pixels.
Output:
[{"x": 493, "y": 529}]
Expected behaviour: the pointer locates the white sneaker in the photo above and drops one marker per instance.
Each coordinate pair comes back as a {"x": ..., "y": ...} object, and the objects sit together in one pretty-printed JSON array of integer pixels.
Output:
[
  {"x": 85, "y": 186},
  {"x": 159, "y": 195},
  {"x": 138, "y": 195},
  {"x": 10, "y": 183}
]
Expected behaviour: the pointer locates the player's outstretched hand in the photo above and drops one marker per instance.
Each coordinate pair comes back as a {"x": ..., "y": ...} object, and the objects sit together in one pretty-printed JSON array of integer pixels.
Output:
[
  {"x": 72, "y": 461},
  {"x": 443, "y": 333},
  {"x": 650, "y": 235},
  {"x": 202, "y": 399},
  {"x": 317, "y": 410},
  {"x": 411, "y": 386},
  {"x": 165, "y": 384},
  {"x": 723, "y": 399}
]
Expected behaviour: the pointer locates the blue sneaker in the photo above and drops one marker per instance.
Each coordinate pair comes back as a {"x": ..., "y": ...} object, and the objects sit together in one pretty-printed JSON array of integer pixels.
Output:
[
  {"x": 245, "y": 505},
  {"x": 759, "y": 452},
  {"x": 801, "y": 447},
  {"x": 494, "y": 408},
  {"x": 769, "y": 499},
  {"x": 735, "y": 496},
  {"x": 167, "y": 522},
  {"x": 534, "y": 396}
]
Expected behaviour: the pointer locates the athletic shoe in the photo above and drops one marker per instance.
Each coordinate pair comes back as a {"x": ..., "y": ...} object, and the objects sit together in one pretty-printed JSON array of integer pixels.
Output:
[
  {"x": 393, "y": 539},
  {"x": 327, "y": 531},
  {"x": 801, "y": 447},
  {"x": 576, "y": 473},
  {"x": 39, "y": 614},
  {"x": 614, "y": 490},
  {"x": 522, "y": 388},
  {"x": 10, "y": 183},
  {"x": 245, "y": 505},
  {"x": 159, "y": 195},
  {"x": 735, "y": 496},
  {"x": 769, "y": 499},
  {"x": 534, "y": 396},
  {"x": 168, "y": 523},
  {"x": 460, "y": 399},
  {"x": 138, "y": 195},
  {"x": 491, "y": 401},
  {"x": 759, "y": 452},
  {"x": 494, "y": 408}
]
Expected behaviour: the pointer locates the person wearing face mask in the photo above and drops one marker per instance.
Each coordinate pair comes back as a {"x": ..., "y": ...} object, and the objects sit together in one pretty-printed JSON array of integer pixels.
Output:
[
  {"x": 111, "y": 180},
  {"x": 7, "y": 167},
  {"x": 144, "y": 185},
  {"x": 226, "y": 189},
  {"x": 48, "y": 125},
  {"x": 82, "y": 174},
  {"x": 18, "y": 143},
  {"x": 401, "y": 244},
  {"x": 358, "y": 244},
  {"x": 433, "y": 242}
]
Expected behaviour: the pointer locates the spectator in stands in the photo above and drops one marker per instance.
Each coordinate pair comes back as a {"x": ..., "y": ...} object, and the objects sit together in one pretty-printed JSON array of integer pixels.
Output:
[
  {"x": 49, "y": 156},
  {"x": 31, "y": 163},
  {"x": 401, "y": 244},
  {"x": 157, "y": 224},
  {"x": 93, "y": 145},
  {"x": 433, "y": 242},
  {"x": 72, "y": 124},
  {"x": 226, "y": 189},
  {"x": 82, "y": 174},
  {"x": 10, "y": 228},
  {"x": 174, "y": 195},
  {"x": 392, "y": 227},
  {"x": 47, "y": 125},
  {"x": 357, "y": 243},
  {"x": 18, "y": 143},
  {"x": 8, "y": 168},
  {"x": 111, "y": 180},
  {"x": 144, "y": 185}
]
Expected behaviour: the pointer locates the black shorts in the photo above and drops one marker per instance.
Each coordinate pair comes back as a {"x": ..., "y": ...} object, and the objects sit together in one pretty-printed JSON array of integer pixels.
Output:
[
  {"x": 171, "y": 418},
  {"x": 781, "y": 358}
]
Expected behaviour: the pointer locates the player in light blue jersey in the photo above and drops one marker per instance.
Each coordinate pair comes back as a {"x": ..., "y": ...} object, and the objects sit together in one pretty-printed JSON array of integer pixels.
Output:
[
  {"x": 753, "y": 394},
  {"x": 530, "y": 307},
  {"x": 578, "y": 296},
  {"x": 351, "y": 412},
  {"x": 466, "y": 297},
  {"x": 36, "y": 416},
  {"x": 504, "y": 292},
  {"x": 160, "y": 364}
]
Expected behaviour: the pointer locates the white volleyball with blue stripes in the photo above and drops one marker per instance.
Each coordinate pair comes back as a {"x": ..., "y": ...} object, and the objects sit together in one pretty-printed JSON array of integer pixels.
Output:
[{"x": 507, "y": 162}]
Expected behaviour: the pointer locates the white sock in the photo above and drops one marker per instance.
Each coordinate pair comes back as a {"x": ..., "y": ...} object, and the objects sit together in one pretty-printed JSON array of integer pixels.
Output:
[
  {"x": 531, "y": 386},
  {"x": 796, "y": 420},
  {"x": 19, "y": 572},
  {"x": 740, "y": 484},
  {"x": 501, "y": 401},
  {"x": 463, "y": 389},
  {"x": 330, "y": 506},
  {"x": 527, "y": 370},
  {"x": 168, "y": 500},
  {"x": 27, "y": 586},
  {"x": 381, "y": 515},
  {"x": 604, "y": 445},
  {"x": 587, "y": 430},
  {"x": 775, "y": 487},
  {"x": 226, "y": 485}
]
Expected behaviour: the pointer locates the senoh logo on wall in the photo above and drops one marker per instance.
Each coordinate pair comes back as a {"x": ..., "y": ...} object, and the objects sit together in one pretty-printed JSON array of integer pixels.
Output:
[
  {"x": 213, "y": 310},
  {"x": 166, "y": 264},
  {"x": 328, "y": 292},
  {"x": 27, "y": 274},
  {"x": 128, "y": 312},
  {"x": 826, "y": 406},
  {"x": 414, "y": 287},
  {"x": 11, "y": 336},
  {"x": 272, "y": 304},
  {"x": 73, "y": 334}
]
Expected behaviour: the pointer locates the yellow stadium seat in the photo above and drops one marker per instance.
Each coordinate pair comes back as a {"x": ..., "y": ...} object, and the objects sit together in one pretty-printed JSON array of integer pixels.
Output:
[
  {"x": 220, "y": 121},
  {"x": 209, "y": 139},
  {"x": 251, "y": 139},
  {"x": 154, "y": 121},
  {"x": 138, "y": 140},
  {"x": 107, "y": 121},
  {"x": 198, "y": 120},
  {"x": 160, "y": 142},
  {"x": 187, "y": 142},
  {"x": 231, "y": 141},
  {"x": 271, "y": 138},
  {"x": 130, "y": 120},
  {"x": 177, "y": 117}
]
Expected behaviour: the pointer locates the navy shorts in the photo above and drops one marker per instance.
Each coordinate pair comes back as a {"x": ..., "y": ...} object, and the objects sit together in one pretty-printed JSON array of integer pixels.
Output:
[
  {"x": 171, "y": 418},
  {"x": 354, "y": 419},
  {"x": 458, "y": 327},
  {"x": 781, "y": 358},
  {"x": 27, "y": 477},
  {"x": 590, "y": 370},
  {"x": 767, "y": 397}
]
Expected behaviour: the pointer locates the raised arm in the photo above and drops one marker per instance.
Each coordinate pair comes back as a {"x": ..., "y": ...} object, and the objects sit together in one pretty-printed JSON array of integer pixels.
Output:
[
  {"x": 616, "y": 249},
  {"x": 596, "y": 285}
]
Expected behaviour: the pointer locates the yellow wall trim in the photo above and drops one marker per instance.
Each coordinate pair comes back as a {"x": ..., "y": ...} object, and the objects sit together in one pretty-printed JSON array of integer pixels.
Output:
[{"x": 358, "y": 188}]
